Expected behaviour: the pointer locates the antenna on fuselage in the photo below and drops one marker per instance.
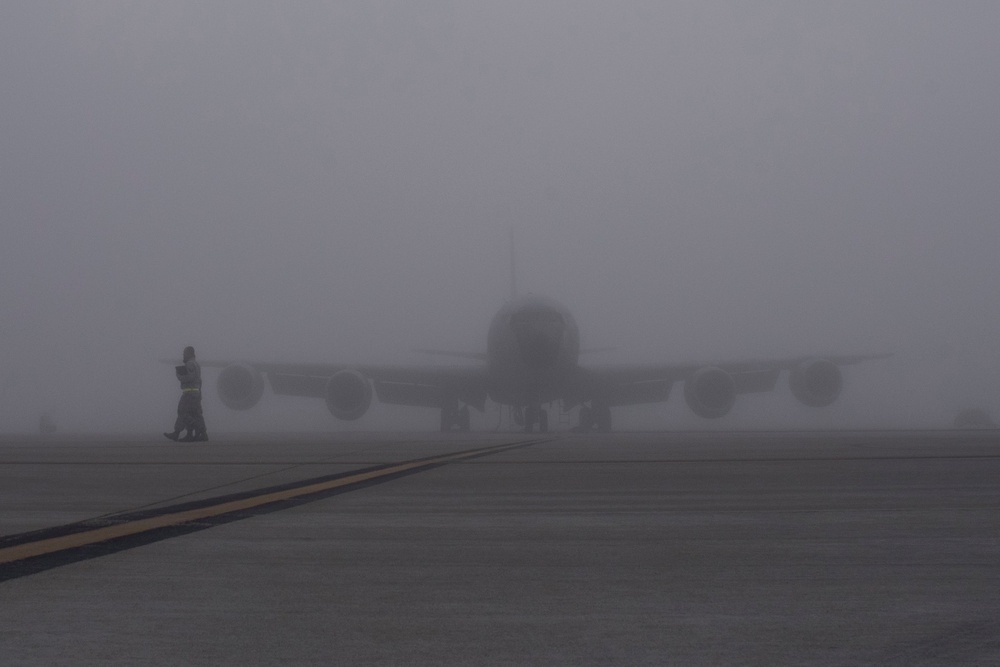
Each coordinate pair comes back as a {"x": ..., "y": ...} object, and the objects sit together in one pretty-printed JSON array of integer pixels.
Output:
[{"x": 513, "y": 267}]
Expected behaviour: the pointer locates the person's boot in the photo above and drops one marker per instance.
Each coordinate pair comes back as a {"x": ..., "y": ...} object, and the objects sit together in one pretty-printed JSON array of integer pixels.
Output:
[
  {"x": 172, "y": 436},
  {"x": 201, "y": 436},
  {"x": 190, "y": 437}
]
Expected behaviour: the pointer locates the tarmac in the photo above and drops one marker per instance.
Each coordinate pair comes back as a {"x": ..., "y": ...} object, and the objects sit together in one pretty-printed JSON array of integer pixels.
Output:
[{"x": 685, "y": 548}]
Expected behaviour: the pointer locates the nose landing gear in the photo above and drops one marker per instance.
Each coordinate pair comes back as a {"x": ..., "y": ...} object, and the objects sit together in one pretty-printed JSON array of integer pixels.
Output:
[
  {"x": 594, "y": 417},
  {"x": 535, "y": 414},
  {"x": 455, "y": 417}
]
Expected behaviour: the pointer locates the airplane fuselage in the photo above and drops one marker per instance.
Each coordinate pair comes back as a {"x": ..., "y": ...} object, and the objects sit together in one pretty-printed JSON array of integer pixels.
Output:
[{"x": 533, "y": 347}]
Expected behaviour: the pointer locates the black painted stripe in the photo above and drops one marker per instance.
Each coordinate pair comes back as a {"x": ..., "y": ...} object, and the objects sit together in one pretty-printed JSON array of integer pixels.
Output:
[{"x": 36, "y": 551}]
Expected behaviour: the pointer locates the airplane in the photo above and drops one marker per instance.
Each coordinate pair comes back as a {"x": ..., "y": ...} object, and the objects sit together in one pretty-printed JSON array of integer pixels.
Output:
[{"x": 532, "y": 358}]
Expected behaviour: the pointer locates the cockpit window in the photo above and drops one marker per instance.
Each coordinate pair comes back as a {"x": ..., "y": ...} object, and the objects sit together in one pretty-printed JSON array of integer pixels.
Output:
[{"x": 536, "y": 316}]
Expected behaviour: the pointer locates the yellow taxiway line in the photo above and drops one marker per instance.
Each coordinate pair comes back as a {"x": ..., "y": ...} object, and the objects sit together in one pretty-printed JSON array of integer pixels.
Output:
[{"x": 97, "y": 535}]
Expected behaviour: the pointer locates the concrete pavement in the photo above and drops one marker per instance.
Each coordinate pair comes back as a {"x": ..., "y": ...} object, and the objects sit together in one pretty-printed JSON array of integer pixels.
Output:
[{"x": 628, "y": 548}]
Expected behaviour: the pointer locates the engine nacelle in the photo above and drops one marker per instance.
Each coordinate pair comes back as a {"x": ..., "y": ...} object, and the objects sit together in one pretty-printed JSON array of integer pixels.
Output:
[
  {"x": 348, "y": 395},
  {"x": 240, "y": 386},
  {"x": 710, "y": 392},
  {"x": 816, "y": 382}
]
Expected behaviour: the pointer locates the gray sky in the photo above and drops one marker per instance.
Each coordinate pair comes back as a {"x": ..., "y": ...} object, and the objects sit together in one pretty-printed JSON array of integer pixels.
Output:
[{"x": 335, "y": 181}]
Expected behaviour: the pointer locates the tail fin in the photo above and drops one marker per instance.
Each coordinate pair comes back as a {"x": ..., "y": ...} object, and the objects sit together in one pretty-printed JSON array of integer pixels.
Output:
[{"x": 513, "y": 267}]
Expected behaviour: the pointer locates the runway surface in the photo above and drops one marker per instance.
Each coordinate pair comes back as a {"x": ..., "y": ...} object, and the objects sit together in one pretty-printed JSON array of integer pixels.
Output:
[{"x": 505, "y": 549}]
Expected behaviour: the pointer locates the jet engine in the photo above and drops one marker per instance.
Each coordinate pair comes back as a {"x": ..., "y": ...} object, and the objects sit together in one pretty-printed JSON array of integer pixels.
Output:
[
  {"x": 240, "y": 386},
  {"x": 348, "y": 395},
  {"x": 710, "y": 392},
  {"x": 816, "y": 382}
]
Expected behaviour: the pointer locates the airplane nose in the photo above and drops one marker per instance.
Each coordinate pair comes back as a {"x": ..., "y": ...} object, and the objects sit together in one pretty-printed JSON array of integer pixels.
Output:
[
  {"x": 538, "y": 348},
  {"x": 539, "y": 335}
]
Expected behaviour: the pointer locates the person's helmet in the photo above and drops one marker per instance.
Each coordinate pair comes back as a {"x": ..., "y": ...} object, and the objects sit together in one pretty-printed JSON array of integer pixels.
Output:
[{"x": 188, "y": 353}]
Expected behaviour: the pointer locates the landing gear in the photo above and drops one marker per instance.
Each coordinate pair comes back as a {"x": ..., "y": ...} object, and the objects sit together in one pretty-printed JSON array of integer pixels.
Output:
[
  {"x": 517, "y": 415},
  {"x": 602, "y": 418},
  {"x": 595, "y": 417},
  {"x": 534, "y": 414},
  {"x": 455, "y": 417}
]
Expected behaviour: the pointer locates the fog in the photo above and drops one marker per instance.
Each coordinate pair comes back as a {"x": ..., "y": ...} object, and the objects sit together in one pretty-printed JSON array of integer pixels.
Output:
[{"x": 312, "y": 181}]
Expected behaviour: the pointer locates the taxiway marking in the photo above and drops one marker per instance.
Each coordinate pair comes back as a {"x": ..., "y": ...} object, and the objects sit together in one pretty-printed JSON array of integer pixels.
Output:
[{"x": 129, "y": 528}]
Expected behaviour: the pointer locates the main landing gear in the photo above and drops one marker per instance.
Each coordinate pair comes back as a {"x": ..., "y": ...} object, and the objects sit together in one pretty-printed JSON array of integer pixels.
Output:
[
  {"x": 455, "y": 417},
  {"x": 595, "y": 417},
  {"x": 535, "y": 414}
]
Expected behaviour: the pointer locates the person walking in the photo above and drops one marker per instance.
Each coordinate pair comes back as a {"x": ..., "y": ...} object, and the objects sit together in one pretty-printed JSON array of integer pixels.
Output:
[{"x": 189, "y": 414}]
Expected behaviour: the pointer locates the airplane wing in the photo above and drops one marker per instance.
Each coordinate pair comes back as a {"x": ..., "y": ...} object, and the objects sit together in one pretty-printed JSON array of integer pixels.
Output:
[
  {"x": 478, "y": 356},
  {"x": 631, "y": 384},
  {"x": 420, "y": 386}
]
